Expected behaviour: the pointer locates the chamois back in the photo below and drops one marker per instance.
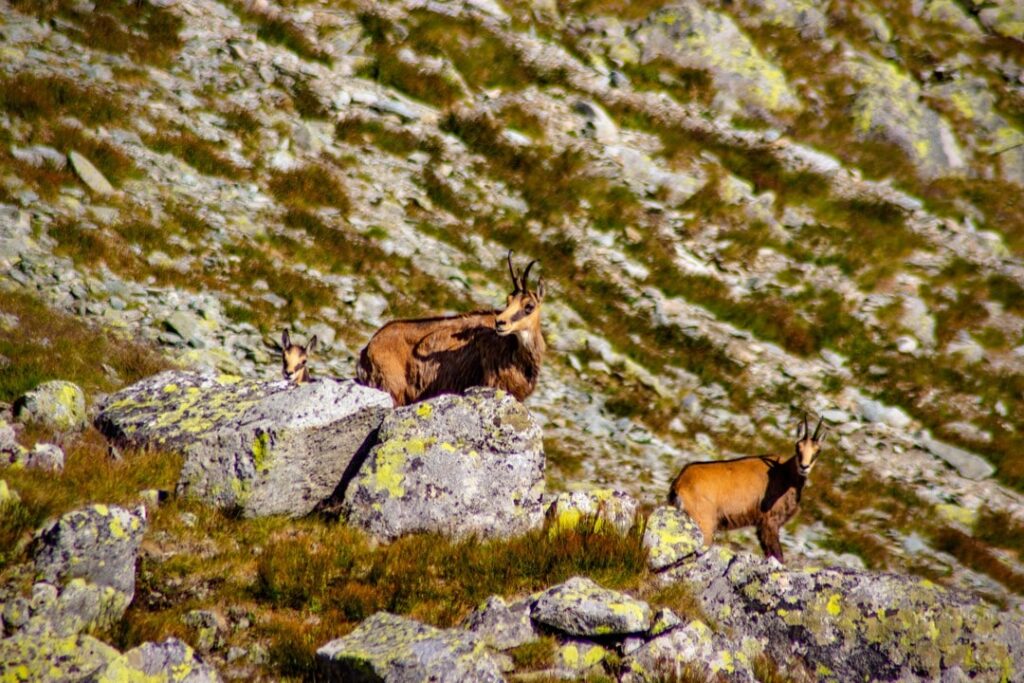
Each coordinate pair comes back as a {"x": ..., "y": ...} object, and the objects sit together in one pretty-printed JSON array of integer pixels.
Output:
[
  {"x": 761, "y": 491},
  {"x": 417, "y": 359}
]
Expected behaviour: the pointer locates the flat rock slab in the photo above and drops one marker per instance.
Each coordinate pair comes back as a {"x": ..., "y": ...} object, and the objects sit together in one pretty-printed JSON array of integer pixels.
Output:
[
  {"x": 89, "y": 174},
  {"x": 264, "y": 448},
  {"x": 969, "y": 465},
  {"x": 394, "y": 649},
  {"x": 457, "y": 465},
  {"x": 671, "y": 537},
  {"x": 580, "y": 607}
]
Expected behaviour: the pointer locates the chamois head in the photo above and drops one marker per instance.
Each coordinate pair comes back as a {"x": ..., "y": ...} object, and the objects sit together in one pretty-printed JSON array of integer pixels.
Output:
[
  {"x": 294, "y": 357},
  {"x": 522, "y": 308},
  {"x": 808, "y": 446}
]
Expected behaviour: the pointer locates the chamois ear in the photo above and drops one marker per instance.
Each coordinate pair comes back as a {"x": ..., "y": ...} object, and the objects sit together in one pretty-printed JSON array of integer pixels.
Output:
[
  {"x": 540, "y": 289},
  {"x": 311, "y": 345},
  {"x": 286, "y": 339}
]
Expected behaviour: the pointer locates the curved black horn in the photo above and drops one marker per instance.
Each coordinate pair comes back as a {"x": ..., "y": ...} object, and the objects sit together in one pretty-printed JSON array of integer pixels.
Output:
[
  {"x": 526, "y": 273},
  {"x": 817, "y": 430},
  {"x": 512, "y": 272},
  {"x": 806, "y": 429}
]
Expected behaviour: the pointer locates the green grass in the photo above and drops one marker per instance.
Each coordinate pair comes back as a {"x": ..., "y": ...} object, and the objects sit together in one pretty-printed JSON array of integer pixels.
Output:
[
  {"x": 143, "y": 31},
  {"x": 281, "y": 31},
  {"x": 396, "y": 140},
  {"x": 312, "y": 185},
  {"x": 202, "y": 155},
  {"x": 47, "y": 344},
  {"x": 35, "y": 98}
]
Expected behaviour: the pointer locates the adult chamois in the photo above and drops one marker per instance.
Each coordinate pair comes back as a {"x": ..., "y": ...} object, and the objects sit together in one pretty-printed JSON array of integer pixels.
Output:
[
  {"x": 417, "y": 359},
  {"x": 294, "y": 358},
  {"x": 761, "y": 491}
]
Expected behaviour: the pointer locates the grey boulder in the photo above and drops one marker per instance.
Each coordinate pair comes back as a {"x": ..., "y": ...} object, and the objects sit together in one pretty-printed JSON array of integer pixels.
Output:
[
  {"x": 500, "y": 625},
  {"x": 171, "y": 661},
  {"x": 263, "y": 448},
  {"x": 457, "y": 465},
  {"x": 580, "y": 607},
  {"x": 395, "y": 649},
  {"x": 98, "y": 543}
]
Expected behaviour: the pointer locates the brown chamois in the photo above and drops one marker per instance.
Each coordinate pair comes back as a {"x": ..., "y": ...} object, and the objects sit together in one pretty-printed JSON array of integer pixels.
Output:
[
  {"x": 294, "y": 358},
  {"x": 761, "y": 491},
  {"x": 417, "y": 359}
]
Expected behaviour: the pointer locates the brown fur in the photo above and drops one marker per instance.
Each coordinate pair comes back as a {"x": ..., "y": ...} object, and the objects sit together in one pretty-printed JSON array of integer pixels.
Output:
[
  {"x": 294, "y": 358},
  {"x": 761, "y": 491},
  {"x": 417, "y": 359}
]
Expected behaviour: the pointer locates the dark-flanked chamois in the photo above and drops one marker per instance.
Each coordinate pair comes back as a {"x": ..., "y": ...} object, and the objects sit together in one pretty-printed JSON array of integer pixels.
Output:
[
  {"x": 294, "y": 358},
  {"x": 417, "y": 359},
  {"x": 761, "y": 491}
]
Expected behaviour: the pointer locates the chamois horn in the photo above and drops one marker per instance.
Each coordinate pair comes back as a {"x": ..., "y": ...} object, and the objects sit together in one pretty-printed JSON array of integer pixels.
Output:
[
  {"x": 817, "y": 430},
  {"x": 526, "y": 273},
  {"x": 512, "y": 271}
]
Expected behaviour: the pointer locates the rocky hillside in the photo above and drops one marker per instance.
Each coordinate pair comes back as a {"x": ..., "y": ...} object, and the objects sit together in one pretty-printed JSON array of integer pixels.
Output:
[{"x": 743, "y": 211}]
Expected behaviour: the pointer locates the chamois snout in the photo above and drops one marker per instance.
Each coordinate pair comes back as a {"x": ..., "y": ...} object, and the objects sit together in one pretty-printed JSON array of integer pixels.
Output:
[
  {"x": 294, "y": 358},
  {"x": 808, "y": 446}
]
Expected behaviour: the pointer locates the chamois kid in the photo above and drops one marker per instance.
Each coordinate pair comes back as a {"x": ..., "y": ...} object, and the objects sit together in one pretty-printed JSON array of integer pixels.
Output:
[
  {"x": 294, "y": 358},
  {"x": 761, "y": 491},
  {"x": 417, "y": 359}
]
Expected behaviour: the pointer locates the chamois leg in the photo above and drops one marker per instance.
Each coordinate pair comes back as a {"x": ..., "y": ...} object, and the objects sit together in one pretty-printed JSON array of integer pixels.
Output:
[{"x": 768, "y": 536}]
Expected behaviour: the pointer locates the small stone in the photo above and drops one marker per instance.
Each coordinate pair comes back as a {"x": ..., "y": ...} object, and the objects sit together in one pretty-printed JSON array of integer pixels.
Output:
[
  {"x": 89, "y": 174},
  {"x": 500, "y": 625},
  {"x": 57, "y": 404},
  {"x": 46, "y": 456},
  {"x": 580, "y": 607}
]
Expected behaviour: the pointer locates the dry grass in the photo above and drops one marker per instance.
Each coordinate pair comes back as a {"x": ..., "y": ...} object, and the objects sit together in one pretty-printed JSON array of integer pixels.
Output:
[
  {"x": 396, "y": 140},
  {"x": 309, "y": 581}
]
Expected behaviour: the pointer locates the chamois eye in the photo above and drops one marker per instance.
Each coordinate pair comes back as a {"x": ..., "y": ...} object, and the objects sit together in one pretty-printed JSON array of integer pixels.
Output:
[{"x": 529, "y": 308}]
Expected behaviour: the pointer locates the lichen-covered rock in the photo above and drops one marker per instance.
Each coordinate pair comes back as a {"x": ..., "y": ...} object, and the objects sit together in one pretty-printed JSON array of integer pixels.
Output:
[
  {"x": 695, "y": 37},
  {"x": 459, "y": 465},
  {"x": 98, "y": 543},
  {"x": 694, "y": 648},
  {"x": 604, "y": 506},
  {"x": 663, "y": 621},
  {"x": 857, "y": 624},
  {"x": 57, "y": 404},
  {"x": 394, "y": 649},
  {"x": 888, "y": 108},
  {"x": 1006, "y": 18},
  {"x": 580, "y": 607},
  {"x": 262, "y": 447},
  {"x": 80, "y": 606},
  {"x": 500, "y": 625},
  {"x": 574, "y": 657},
  {"x": 28, "y": 657},
  {"x": 670, "y": 537},
  {"x": 171, "y": 661}
]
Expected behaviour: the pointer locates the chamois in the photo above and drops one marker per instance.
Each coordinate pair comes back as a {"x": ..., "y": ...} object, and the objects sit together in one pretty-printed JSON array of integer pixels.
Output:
[
  {"x": 294, "y": 358},
  {"x": 762, "y": 491},
  {"x": 417, "y": 359}
]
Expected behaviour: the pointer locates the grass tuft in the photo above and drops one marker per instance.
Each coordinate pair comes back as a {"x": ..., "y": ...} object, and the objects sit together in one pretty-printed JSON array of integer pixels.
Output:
[{"x": 312, "y": 185}]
